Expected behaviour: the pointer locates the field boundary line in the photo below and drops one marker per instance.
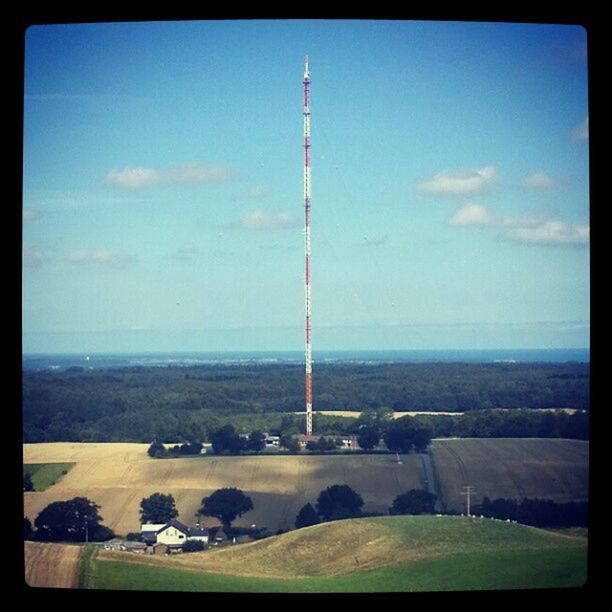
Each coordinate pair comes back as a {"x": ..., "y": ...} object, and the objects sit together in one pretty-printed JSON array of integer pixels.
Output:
[{"x": 86, "y": 569}]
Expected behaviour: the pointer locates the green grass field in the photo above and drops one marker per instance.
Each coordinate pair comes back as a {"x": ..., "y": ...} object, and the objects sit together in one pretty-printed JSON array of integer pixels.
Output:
[
  {"x": 465, "y": 572},
  {"x": 439, "y": 554},
  {"x": 46, "y": 474}
]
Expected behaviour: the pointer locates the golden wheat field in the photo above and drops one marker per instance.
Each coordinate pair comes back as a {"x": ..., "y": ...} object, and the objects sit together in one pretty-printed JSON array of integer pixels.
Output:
[{"x": 117, "y": 476}]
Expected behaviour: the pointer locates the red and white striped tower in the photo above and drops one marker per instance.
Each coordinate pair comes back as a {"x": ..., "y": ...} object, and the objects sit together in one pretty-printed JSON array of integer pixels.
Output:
[{"x": 307, "y": 247}]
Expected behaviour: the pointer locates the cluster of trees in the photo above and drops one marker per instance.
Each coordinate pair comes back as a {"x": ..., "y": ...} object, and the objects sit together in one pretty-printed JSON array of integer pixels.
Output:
[
  {"x": 323, "y": 444},
  {"x": 517, "y": 423},
  {"x": 335, "y": 502},
  {"x": 227, "y": 440},
  {"x": 74, "y": 520},
  {"x": 536, "y": 512},
  {"x": 341, "y": 502},
  {"x": 78, "y": 520},
  {"x": 157, "y": 449},
  {"x": 225, "y": 504},
  {"x": 398, "y": 435},
  {"x": 182, "y": 403}
]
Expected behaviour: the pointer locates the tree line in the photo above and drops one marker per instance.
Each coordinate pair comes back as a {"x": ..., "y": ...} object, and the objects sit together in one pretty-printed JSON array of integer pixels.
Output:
[
  {"x": 536, "y": 512},
  {"x": 142, "y": 403},
  {"x": 402, "y": 435},
  {"x": 78, "y": 519}
]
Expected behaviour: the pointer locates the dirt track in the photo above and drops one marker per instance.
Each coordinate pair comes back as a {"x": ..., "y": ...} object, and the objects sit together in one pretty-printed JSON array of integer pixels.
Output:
[{"x": 52, "y": 565}]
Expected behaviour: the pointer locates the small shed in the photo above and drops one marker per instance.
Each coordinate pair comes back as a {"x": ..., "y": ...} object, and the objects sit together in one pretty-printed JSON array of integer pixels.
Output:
[{"x": 198, "y": 533}]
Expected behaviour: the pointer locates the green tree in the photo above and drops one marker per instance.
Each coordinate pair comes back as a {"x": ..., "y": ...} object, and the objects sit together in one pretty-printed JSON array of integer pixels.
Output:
[
  {"x": 158, "y": 508},
  {"x": 306, "y": 516},
  {"x": 397, "y": 439},
  {"x": 226, "y": 504},
  {"x": 368, "y": 437},
  {"x": 27, "y": 529},
  {"x": 27, "y": 482},
  {"x": 421, "y": 437},
  {"x": 256, "y": 441},
  {"x": 225, "y": 439},
  {"x": 415, "y": 501},
  {"x": 157, "y": 449},
  {"x": 405, "y": 434},
  {"x": 291, "y": 444},
  {"x": 338, "y": 502},
  {"x": 193, "y": 546},
  {"x": 74, "y": 520}
]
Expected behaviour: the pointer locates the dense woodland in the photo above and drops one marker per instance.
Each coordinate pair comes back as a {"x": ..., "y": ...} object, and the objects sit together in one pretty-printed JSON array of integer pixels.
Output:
[{"x": 188, "y": 403}]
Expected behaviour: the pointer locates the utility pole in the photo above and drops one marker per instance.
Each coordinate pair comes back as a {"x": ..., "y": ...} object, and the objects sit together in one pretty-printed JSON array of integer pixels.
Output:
[
  {"x": 468, "y": 492},
  {"x": 307, "y": 247}
]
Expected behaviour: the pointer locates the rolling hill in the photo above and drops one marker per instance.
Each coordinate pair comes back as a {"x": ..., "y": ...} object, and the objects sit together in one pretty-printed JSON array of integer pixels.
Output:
[{"x": 402, "y": 553}]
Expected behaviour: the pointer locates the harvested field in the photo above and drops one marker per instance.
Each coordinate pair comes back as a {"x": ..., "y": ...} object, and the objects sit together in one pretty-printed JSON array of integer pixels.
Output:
[
  {"x": 118, "y": 476},
  {"x": 52, "y": 565},
  {"x": 511, "y": 468}
]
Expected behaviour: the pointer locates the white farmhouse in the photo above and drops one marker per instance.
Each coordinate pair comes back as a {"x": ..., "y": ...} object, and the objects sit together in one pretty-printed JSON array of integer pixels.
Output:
[{"x": 173, "y": 533}]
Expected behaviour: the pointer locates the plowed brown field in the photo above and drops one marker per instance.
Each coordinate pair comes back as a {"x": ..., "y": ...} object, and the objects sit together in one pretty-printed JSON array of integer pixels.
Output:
[
  {"x": 52, "y": 565},
  {"x": 118, "y": 476},
  {"x": 511, "y": 468}
]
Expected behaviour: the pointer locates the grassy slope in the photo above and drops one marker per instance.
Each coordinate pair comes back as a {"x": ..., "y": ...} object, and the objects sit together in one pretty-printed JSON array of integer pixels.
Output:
[
  {"x": 422, "y": 554},
  {"x": 46, "y": 474}
]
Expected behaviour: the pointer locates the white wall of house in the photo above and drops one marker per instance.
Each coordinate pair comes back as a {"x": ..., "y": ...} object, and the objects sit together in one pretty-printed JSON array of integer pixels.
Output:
[
  {"x": 171, "y": 535},
  {"x": 202, "y": 538}
]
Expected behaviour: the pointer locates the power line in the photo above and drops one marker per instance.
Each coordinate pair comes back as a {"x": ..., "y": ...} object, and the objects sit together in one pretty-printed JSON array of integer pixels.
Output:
[{"x": 469, "y": 489}]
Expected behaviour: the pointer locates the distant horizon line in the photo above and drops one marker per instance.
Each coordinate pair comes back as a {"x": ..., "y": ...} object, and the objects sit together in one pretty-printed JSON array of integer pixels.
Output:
[{"x": 276, "y": 351}]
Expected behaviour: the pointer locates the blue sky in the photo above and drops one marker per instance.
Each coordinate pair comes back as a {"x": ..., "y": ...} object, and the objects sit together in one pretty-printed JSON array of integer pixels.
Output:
[{"x": 163, "y": 199}]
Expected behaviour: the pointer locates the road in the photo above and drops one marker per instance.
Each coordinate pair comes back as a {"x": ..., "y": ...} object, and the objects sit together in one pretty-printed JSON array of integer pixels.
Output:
[{"x": 429, "y": 476}]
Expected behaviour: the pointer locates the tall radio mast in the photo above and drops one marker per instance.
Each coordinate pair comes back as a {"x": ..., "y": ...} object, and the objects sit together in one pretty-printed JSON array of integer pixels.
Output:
[{"x": 307, "y": 247}]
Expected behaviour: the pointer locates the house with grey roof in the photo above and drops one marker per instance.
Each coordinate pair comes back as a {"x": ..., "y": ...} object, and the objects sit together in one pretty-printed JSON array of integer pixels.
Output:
[{"x": 172, "y": 534}]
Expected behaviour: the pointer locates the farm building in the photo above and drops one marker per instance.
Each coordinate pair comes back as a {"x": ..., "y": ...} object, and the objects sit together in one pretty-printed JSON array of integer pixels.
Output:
[
  {"x": 173, "y": 533},
  {"x": 347, "y": 441},
  {"x": 271, "y": 441}
]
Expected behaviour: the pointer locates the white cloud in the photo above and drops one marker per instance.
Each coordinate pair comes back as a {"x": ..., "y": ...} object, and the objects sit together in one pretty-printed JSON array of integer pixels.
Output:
[
  {"x": 186, "y": 252},
  {"x": 551, "y": 232},
  {"x": 132, "y": 178},
  {"x": 33, "y": 257},
  {"x": 101, "y": 257},
  {"x": 30, "y": 214},
  {"x": 252, "y": 193},
  {"x": 539, "y": 181},
  {"x": 581, "y": 131},
  {"x": 261, "y": 220},
  {"x": 375, "y": 241},
  {"x": 460, "y": 182},
  {"x": 471, "y": 214},
  {"x": 136, "y": 178},
  {"x": 523, "y": 230}
]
